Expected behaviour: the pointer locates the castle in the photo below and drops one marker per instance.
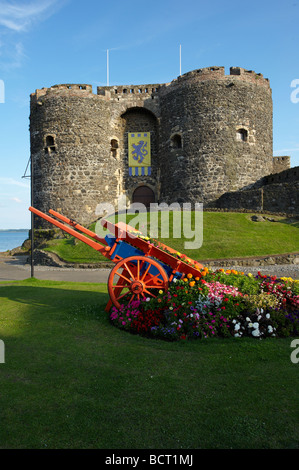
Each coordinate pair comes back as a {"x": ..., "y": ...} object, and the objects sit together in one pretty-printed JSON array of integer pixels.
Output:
[{"x": 210, "y": 134}]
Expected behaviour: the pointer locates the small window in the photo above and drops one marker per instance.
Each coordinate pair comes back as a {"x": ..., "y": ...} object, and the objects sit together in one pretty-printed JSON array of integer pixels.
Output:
[
  {"x": 50, "y": 145},
  {"x": 114, "y": 147},
  {"x": 176, "y": 141},
  {"x": 242, "y": 135}
]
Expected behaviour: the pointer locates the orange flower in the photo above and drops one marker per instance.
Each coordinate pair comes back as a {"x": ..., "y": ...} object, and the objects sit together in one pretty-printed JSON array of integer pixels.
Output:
[
  {"x": 191, "y": 284},
  {"x": 203, "y": 273},
  {"x": 197, "y": 279},
  {"x": 189, "y": 275},
  {"x": 185, "y": 279}
]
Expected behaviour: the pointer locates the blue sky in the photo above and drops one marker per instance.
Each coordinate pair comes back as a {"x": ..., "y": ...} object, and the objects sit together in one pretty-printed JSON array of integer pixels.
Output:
[{"x": 46, "y": 42}]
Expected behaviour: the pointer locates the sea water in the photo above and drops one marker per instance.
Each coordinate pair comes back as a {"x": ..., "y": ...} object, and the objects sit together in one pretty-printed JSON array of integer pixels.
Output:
[{"x": 10, "y": 239}]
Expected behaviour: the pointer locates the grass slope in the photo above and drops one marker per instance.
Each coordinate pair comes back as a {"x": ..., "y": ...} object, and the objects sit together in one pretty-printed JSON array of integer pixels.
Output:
[
  {"x": 225, "y": 235},
  {"x": 72, "y": 380}
]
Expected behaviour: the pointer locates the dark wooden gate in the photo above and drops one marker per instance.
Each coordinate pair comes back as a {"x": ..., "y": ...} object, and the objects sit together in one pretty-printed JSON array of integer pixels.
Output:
[{"x": 144, "y": 194}]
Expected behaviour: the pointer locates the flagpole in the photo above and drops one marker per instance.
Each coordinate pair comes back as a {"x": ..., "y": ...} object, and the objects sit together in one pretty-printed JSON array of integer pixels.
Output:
[
  {"x": 180, "y": 59},
  {"x": 107, "y": 67}
]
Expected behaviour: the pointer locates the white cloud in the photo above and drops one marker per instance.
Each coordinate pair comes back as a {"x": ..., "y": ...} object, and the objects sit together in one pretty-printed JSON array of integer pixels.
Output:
[
  {"x": 13, "y": 182},
  {"x": 16, "y": 199},
  {"x": 19, "y": 16},
  {"x": 287, "y": 150}
]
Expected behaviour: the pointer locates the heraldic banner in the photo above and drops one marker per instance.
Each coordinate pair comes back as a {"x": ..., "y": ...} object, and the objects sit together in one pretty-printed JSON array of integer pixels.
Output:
[{"x": 139, "y": 148}]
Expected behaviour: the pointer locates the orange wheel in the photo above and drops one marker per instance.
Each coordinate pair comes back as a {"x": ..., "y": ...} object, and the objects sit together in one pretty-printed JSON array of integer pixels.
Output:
[{"x": 135, "y": 278}]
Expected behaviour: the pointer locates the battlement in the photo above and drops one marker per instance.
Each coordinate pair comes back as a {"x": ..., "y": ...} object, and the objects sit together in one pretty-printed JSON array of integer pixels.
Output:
[
  {"x": 218, "y": 73},
  {"x": 281, "y": 164},
  {"x": 73, "y": 88},
  {"x": 127, "y": 91}
]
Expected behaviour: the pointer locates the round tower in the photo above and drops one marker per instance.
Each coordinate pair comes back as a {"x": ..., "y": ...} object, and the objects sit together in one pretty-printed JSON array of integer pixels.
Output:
[
  {"x": 216, "y": 133},
  {"x": 74, "y": 165}
]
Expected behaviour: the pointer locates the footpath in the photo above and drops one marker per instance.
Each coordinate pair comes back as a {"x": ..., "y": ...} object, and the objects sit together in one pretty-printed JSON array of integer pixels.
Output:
[{"x": 17, "y": 268}]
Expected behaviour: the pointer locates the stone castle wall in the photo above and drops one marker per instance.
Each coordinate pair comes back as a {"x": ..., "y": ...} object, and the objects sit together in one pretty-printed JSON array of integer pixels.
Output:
[{"x": 211, "y": 133}]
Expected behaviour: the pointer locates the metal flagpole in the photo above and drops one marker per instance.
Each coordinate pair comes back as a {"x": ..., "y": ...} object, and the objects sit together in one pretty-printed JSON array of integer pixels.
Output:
[
  {"x": 32, "y": 215},
  {"x": 32, "y": 220},
  {"x": 107, "y": 67},
  {"x": 180, "y": 59}
]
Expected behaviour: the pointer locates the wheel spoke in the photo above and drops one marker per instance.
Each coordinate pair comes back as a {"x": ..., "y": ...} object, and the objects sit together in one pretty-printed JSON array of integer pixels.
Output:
[
  {"x": 154, "y": 277},
  {"x": 129, "y": 271},
  {"x": 145, "y": 273},
  {"x": 138, "y": 267},
  {"x": 148, "y": 292},
  {"x": 121, "y": 275},
  {"x": 121, "y": 296},
  {"x": 154, "y": 287}
]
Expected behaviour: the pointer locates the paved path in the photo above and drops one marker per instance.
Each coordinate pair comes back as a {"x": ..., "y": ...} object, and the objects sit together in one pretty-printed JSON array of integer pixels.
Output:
[{"x": 15, "y": 268}]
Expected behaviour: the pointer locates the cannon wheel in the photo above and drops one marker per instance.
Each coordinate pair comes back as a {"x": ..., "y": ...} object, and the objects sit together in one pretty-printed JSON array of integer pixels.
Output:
[{"x": 131, "y": 280}]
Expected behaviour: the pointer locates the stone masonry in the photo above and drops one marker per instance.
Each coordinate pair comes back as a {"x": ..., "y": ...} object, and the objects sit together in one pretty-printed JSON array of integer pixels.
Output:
[{"x": 211, "y": 134}]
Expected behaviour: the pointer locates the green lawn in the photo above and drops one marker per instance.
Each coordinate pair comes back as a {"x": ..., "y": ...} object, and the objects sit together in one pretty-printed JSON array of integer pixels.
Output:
[
  {"x": 225, "y": 235},
  {"x": 72, "y": 380}
]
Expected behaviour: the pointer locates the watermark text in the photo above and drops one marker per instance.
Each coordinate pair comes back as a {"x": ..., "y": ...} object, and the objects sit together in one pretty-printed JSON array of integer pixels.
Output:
[
  {"x": 295, "y": 93},
  {"x": 163, "y": 221},
  {"x": 2, "y": 352},
  {"x": 295, "y": 353}
]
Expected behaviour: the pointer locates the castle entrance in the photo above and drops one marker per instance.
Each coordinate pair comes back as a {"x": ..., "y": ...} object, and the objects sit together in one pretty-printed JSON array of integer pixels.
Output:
[{"x": 144, "y": 195}]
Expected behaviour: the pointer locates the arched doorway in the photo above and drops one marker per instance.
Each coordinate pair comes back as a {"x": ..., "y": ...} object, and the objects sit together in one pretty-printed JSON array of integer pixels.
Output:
[{"x": 144, "y": 195}]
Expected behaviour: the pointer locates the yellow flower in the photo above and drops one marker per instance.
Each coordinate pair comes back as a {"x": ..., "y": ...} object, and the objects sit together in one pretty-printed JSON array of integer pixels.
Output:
[
  {"x": 250, "y": 275},
  {"x": 228, "y": 271},
  {"x": 161, "y": 292}
]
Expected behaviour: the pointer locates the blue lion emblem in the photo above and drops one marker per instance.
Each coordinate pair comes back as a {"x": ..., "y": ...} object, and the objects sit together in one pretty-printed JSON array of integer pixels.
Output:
[{"x": 140, "y": 151}]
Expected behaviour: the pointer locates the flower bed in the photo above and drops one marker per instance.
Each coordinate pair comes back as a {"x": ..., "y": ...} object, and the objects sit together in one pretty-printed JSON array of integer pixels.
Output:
[{"x": 216, "y": 304}]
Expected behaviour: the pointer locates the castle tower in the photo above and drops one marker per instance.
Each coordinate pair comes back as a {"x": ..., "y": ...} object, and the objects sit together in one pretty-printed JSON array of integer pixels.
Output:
[
  {"x": 73, "y": 166},
  {"x": 216, "y": 133}
]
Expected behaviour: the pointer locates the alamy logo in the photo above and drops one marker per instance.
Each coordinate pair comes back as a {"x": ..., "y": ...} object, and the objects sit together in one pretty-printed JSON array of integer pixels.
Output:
[
  {"x": 2, "y": 352},
  {"x": 2, "y": 92},
  {"x": 295, "y": 353},
  {"x": 295, "y": 93},
  {"x": 186, "y": 223}
]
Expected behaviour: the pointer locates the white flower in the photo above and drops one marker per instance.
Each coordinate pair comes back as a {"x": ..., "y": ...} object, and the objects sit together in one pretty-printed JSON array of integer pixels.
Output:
[
  {"x": 256, "y": 332},
  {"x": 248, "y": 319},
  {"x": 250, "y": 325},
  {"x": 270, "y": 329},
  {"x": 174, "y": 279},
  {"x": 237, "y": 327},
  {"x": 147, "y": 299},
  {"x": 259, "y": 317},
  {"x": 234, "y": 321},
  {"x": 170, "y": 308},
  {"x": 268, "y": 315},
  {"x": 255, "y": 325},
  {"x": 262, "y": 310},
  {"x": 237, "y": 335}
]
